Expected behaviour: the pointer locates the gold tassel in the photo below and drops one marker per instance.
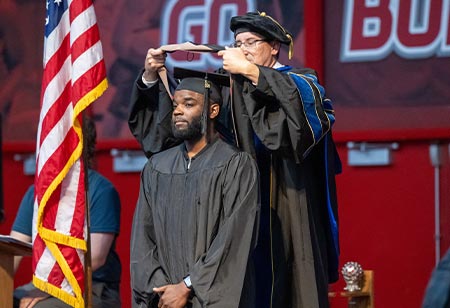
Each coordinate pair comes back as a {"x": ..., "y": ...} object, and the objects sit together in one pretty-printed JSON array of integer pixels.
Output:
[{"x": 291, "y": 46}]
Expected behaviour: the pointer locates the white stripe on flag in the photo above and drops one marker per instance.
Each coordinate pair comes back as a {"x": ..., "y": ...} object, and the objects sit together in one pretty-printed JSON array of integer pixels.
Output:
[
  {"x": 81, "y": 23},
  {"x": 68, "y": 200},
  {"x": 86, "y": 61},
  {"x": 54, "y": 139}
]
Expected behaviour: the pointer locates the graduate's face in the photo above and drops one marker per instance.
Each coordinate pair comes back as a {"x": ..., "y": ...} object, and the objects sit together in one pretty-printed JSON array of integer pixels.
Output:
[
  {"x": 262, "y": 53},
  {"x": 187, "y": 113}
]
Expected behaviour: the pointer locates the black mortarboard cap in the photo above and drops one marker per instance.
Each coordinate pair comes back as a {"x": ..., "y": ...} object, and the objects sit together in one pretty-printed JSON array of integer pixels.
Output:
[
  {"x": 209, "y": 84},
  {"x": 264, "y": 25}
]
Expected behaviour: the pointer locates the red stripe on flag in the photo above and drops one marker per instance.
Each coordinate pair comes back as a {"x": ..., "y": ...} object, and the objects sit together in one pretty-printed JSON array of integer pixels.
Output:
[
  {"x": 56, "y": 276},
  {"x": 38, "y": 250},
  {"x": 77, "y": 8},
  {"x": 88, "y": 39},
  {"x": 55, "y": 164},
  {"x": 55, "y": 63},
  {"x": 56, "y": 112},
  {"x": 51, "y": 210},
  {"x": 90, "y": 79},
  {"x": 79, "y": 214},
  {"x": 71, "y": 256}
]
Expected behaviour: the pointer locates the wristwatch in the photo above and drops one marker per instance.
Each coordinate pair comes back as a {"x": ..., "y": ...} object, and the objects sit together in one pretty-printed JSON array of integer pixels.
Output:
[{"x": 187, "y": 282}]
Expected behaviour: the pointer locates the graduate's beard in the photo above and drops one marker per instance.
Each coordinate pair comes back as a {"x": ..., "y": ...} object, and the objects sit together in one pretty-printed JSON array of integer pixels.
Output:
[{"x": 192, "y": 132}]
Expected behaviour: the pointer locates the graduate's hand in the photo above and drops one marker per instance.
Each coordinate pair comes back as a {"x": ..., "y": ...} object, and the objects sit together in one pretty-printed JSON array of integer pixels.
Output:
[
  {"x": 155, "y": 60},
  {"x": 173, "y": 295},
  {"x": 235, "y": 61}
]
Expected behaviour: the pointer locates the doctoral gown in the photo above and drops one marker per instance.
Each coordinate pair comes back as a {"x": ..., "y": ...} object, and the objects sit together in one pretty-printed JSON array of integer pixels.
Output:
[
  {"x": 196, "y": 217},
  {"x": 285, "y": 123}
]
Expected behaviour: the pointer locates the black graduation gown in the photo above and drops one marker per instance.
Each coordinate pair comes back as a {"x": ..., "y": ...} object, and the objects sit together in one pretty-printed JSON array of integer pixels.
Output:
[
  {"x": 200, "y": 222},
  {"x": 294, "y": 171},
  {"x": 297, "y": 175}
]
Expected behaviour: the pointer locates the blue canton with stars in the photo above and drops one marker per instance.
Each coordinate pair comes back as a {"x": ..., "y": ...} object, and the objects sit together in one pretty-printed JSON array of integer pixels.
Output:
[{"x": 55, "y": 10}]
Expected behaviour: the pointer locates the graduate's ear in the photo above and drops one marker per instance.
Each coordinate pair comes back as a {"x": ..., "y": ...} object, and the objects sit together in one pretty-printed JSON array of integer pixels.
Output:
[{"x": 214, "y": 109}]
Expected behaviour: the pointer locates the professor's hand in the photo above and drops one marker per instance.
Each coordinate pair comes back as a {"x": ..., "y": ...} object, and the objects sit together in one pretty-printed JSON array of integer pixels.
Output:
[
  {"x": 155, "y": 60},
  {"x": 234, "y": 60}
]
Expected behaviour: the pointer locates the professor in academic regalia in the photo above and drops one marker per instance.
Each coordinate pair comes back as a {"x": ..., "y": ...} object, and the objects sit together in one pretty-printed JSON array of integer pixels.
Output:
[
  {"x": 282, "y": 116},
  {"x": 195, "y": 223}
]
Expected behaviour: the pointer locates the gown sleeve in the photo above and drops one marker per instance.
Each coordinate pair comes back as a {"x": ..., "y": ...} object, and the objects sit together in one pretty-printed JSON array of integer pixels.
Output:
[
  {"x": 146, "y": 271},
  {"x": 150, "y": 117},
  {"x": 288, "y": 111},
  {"x": 218, "y": 275}
]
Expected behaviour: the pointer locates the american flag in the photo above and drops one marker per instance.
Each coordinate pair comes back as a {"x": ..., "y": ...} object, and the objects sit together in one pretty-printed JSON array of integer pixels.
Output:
[{"x": 74, "y": 76}]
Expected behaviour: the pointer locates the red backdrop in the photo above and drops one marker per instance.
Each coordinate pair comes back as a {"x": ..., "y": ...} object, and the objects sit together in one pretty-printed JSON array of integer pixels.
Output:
[{"x": 386, "y": 213}]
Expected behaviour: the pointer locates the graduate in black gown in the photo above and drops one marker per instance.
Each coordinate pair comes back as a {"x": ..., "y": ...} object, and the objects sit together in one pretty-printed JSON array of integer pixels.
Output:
[{"x": 195, "y": 224}]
